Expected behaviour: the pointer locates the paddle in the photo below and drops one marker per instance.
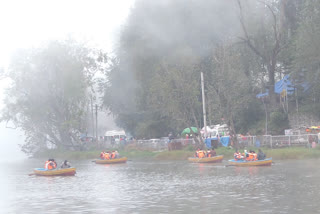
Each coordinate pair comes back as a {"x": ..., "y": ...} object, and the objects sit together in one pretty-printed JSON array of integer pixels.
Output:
[{"x": 31, "y": 174}]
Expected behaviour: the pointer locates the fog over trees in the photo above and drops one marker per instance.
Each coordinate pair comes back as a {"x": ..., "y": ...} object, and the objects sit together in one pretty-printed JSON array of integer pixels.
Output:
[{"x": 151, "y": 84}]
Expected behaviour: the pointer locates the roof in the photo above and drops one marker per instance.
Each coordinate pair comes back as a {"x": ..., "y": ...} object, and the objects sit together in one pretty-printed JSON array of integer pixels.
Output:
[{"x": 114, "y": 132}]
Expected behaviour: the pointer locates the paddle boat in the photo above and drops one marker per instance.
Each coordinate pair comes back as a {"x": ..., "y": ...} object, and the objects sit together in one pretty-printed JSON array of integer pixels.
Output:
[
  {"x": 54, "y": 172},
  {"x": 111, "y": 161},
  {"x": 214, "y": 159},
  {"x": 265, "y": 162}
]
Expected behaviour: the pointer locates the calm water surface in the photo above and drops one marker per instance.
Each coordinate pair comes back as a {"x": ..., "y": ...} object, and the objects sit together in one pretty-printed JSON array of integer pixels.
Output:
[{"x": 163, "y": 187}]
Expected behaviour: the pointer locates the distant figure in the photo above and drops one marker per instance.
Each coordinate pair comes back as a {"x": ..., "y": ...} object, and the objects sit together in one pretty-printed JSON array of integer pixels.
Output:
[
  {"x": 65, "y": 164},
  {"x": 261, "y": 155},
  {"x": 112, "y": 141},
  {"x": 170, "y": 136}
]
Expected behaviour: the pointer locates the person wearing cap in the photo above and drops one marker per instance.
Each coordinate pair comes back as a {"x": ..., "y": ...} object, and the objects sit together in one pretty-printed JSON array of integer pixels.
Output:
[{"x": 65, "y": 164}]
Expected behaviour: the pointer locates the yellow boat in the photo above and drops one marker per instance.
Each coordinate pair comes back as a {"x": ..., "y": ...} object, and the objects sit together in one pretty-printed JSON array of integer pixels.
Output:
[
  {"x": 214, "y": 159},
  {"x": 265, "y": 162},
  {"x": 111, "y": 161},
  {"x": 54, "y": 172}
]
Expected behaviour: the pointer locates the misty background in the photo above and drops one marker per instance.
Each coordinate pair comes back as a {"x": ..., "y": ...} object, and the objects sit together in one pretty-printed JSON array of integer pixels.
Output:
[{"x": 30, "y": 24}]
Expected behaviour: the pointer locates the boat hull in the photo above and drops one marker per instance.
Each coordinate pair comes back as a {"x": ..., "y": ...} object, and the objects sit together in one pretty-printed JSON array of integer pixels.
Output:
[
  {"x": 265, "y": 162},
  {"x": 214, "y": 159},
  {"x": 112, "y": 161},
  {"x": 55, "y": 172}
]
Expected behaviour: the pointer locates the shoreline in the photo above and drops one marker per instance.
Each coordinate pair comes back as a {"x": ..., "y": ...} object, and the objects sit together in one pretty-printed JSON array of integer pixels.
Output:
[{"x": 293, "y": 153}]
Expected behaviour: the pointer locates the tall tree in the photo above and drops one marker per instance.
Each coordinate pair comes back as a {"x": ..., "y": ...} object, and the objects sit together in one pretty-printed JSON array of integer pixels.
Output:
[{"x": 49, "y": 93}]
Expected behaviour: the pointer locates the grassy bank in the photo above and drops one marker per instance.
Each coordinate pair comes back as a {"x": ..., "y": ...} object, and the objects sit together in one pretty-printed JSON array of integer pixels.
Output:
[
  {"x": 276, "y": 154},
  {"x": 93, "y": 154}
]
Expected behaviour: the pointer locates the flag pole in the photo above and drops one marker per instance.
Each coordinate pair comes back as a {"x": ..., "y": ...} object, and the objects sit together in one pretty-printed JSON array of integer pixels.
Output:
[{"x": 204, "y": 106}]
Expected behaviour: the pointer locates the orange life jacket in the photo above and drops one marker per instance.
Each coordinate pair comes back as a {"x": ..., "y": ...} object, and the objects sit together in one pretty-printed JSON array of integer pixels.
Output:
[
  {"x": 250, "y": 158},
  {"x": 113, "y": 155},
  {"x": 237, "y": 156},
  {"x": 46, "y": 164},
  {"x": 49, "y": 165},
  {"x": 255, "y": 156},
  {"x": 107, "y": 156},
  {"x": 209, "y": 155},
  {"x": 201, "y": 154}
]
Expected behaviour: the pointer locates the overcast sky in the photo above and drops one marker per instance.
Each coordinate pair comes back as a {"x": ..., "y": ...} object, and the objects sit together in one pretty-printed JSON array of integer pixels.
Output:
[{"x": 28, "y": 23}]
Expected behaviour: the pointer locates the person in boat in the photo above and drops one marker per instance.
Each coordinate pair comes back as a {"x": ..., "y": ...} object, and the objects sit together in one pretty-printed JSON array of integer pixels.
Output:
[
  {"x": 211, "y": 153},
  {"x": 201, "y": 154},
  {"x": 255, "y": 156},
  {"x": 117, "y": 154},
  {"x": 196, "y": 153},
  {"x": 237, "y": 155},
  {"x": 113, "y": 155},
  {"x": 65, "y": 164},
  {"x": 261, "y": 155},
  {"x": 102, "y": 155},
  {"x": 249, "y": 156},
  {"x": 107, "y": 155},
  {"x": 50, "y": 164}
]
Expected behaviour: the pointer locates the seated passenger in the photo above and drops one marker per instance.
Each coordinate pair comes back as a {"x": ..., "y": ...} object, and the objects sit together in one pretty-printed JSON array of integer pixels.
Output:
[
  {"x": 255, "y": 156},
  {"x": 209, "y": 154},
  {"x": 196, "y": 153},
  {"x": 261, "y": 155},
  {"x": 201, "y": 154},
  {"x": 50, "y": 164},
  {"x": 117, "y": 154},
  {"x": 237, "y": 155},
  {"x": 65, "y": 164},
  {"x": 102, "y": 155},
  {"x": 249, "y": 156},
  {"x": 213, "y": 152},
  {"x": 113, "y": 154},
  {"x": 107, "y": 155}
]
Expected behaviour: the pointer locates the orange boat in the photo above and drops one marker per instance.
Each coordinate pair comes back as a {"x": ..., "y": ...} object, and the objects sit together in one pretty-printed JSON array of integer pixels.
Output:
[
  {"x": 265, "y": 162},
  {"x": 214, "y": 159},
  {"x": 54, "y": 172},
  {"x": 111, "y": 161}
]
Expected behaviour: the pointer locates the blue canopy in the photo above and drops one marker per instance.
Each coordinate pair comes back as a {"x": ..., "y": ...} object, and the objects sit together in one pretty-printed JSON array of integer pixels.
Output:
[
  {"x": 223, "y": 140},
  {"x": 284, "y": 85}
]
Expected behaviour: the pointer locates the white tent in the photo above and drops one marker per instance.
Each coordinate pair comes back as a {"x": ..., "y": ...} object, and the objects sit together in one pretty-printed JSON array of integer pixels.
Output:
[{"x": 115, "y": 133}]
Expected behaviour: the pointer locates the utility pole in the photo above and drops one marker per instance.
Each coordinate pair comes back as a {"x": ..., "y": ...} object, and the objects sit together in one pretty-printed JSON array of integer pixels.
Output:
[
  {"x": 96, "y": 122},
  {"x": 92, "y": 117},
  {"x": 204, "y": 106}
]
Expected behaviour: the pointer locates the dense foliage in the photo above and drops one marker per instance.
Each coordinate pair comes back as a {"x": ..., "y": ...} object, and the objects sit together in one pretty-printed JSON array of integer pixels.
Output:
[
  {"x": 152, "y": 84},
  {"x": 242, "y": 47},
  {"x": 48, "y": 97}
]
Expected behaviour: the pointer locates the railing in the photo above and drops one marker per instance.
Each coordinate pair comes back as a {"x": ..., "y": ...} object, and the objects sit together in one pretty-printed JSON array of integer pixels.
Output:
[{"x": 278, "y": 141}]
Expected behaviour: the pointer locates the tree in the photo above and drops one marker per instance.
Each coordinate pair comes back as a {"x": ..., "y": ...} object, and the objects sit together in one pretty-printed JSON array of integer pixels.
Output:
[
  {"x": 266, "y": 39},
  {"x": 231, "y": 87},
  {"x": 48, "y": 97}
]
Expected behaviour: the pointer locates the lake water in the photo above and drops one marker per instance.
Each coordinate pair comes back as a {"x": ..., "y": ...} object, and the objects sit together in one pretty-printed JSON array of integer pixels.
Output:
[{"x": 162, "y": 187}]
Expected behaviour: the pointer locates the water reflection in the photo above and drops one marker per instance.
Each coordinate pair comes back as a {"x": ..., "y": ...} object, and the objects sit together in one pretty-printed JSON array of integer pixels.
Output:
[{"x": 163, "y": 187}]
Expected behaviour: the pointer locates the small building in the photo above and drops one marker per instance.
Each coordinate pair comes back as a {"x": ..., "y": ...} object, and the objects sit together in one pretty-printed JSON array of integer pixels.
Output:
[{"x": 115, "y": 134}]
